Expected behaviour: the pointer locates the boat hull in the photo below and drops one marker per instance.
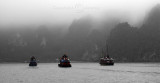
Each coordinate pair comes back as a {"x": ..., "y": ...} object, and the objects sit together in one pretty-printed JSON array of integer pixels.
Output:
[
  {"x": 106, "y": 62},
  {"x": 33, "y": 64},
  {"x": 64, "y": 65}
]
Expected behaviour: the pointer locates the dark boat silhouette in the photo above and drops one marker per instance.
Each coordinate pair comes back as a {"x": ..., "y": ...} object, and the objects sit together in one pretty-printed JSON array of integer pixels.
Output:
[
  {"x": 64, "y": 61},
  {"x": 106, "y": 59},
  {"x": 33, "y": 61}
]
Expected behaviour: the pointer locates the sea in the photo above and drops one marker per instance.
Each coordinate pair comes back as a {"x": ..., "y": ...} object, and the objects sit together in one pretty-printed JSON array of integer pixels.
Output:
[{"x": 80, "y": 72}]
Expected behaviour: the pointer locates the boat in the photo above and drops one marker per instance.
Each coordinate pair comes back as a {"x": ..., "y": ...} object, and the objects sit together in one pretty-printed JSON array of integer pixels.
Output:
[
  {"x": 106, "y": 59},
  {"x": 64, "y": 61},
  {"x": 33, "y": 61}
]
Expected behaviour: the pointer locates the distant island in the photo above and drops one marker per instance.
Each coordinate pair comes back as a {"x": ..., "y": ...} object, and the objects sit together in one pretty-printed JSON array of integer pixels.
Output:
[{"x": 82, "y": 42}]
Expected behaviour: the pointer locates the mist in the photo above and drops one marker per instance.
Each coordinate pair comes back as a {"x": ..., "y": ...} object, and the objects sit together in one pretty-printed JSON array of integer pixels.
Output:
[
  {"x": 62, "y": 12},
  {"x": 101, "y": 40},
  {"x": 49, "y": 28}
]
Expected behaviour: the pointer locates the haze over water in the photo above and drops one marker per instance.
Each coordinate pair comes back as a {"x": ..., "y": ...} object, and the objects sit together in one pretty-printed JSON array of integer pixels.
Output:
[
  {"x": 51, "y": 12},
  {"x": 47, "y": 29}
]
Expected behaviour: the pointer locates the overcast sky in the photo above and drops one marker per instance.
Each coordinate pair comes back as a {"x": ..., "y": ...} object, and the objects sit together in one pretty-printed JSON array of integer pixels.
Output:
[{"x": 40, "y": 12}]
